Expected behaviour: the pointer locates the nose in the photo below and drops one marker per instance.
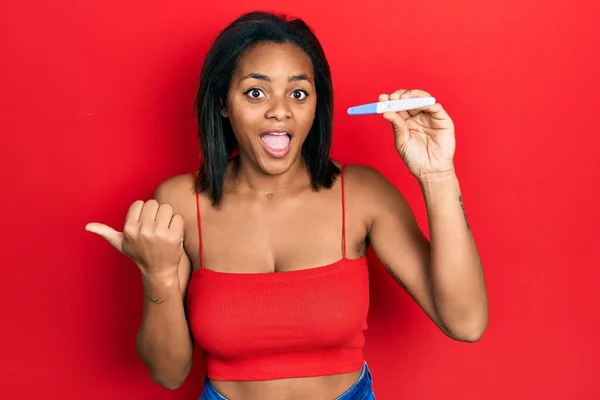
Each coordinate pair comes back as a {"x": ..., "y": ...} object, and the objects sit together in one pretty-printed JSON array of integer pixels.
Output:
[{"x": 279, "y": 109}]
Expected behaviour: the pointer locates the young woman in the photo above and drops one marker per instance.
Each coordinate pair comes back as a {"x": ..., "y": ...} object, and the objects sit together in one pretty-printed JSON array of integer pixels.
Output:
[{"x": 259, "y": 257}]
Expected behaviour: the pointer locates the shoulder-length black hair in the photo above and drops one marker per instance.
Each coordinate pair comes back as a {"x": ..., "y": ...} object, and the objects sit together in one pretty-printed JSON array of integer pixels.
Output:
[{"x": 215, "y": 134}]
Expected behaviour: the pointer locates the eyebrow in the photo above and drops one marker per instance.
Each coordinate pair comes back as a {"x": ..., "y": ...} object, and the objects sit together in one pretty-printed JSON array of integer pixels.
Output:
[{"x": 293, "y": 78}]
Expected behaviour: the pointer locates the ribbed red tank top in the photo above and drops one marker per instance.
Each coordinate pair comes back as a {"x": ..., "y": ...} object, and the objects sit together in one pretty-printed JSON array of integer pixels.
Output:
[{"x": 262, "y": 326}]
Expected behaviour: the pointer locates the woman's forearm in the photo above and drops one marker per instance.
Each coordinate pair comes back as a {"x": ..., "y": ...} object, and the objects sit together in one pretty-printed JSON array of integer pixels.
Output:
[
  {"x": 457, "y": 278},
  {"x": 164, "y": 342}
]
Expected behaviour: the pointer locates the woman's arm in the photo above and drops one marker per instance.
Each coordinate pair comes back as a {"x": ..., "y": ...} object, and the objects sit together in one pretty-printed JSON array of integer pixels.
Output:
[
  {"x": 153, "y": 239},
  {"x": 457, "y": 276},
  {"x": 444, "y": 276},
  {"x": 164, "y": 341}
]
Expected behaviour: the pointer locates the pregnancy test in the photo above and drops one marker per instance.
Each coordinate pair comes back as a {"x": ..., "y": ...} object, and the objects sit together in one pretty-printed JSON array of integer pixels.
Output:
[{"x": 392, "y": 105}]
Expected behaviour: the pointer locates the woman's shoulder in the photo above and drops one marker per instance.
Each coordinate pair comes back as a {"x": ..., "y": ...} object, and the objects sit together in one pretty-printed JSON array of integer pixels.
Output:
[
  {"x": 363, "y": 177},
  {"x": 176, "y": 189},
  {"x": 368, "y": 186},
  {"x": 371, "y": 195}
]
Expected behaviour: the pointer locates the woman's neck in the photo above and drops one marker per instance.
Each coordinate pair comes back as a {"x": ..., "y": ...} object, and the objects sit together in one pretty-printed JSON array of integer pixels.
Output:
[{"x": 241, "y": 171}]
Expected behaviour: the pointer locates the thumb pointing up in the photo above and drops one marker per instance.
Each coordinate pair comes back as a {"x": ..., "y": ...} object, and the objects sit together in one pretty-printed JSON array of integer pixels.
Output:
[{"x": 152, "y": 237}]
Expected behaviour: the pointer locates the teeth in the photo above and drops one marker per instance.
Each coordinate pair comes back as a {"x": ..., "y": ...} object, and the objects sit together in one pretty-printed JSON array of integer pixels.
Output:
[{"x": 278, "y": 133}]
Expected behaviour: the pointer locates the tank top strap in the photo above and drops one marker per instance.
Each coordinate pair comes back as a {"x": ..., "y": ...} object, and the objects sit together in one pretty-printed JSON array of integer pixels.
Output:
[
  {"x": 199, "y": 222},
  {"x": 343, "y": 213}
]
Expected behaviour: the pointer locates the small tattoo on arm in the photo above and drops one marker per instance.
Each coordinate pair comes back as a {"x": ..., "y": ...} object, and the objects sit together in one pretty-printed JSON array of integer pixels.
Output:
[
  {"x": 462, "y": 206},
  {"x": 155, "y": 301}
]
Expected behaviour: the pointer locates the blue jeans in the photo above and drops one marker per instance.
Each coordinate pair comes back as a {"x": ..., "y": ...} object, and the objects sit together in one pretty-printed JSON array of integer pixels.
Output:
[{"x": 362, "y": 389}]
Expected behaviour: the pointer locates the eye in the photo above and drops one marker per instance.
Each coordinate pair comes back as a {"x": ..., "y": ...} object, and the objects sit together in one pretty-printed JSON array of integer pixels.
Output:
[
  {"x": 299, "y": 94},
  {"x": 254, "y": 93}
]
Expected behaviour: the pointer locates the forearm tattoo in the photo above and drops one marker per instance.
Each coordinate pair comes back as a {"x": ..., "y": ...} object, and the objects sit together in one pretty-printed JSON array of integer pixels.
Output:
[
  {"x": 462, "y": 206},
  {"x": 155, "y": 301}
]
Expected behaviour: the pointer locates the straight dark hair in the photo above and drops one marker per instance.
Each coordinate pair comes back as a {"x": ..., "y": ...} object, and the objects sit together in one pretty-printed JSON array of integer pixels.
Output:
[{"x": 217, "y": 141}]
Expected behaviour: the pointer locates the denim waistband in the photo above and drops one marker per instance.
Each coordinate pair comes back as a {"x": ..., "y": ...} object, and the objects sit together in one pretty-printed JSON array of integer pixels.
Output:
[{"x": 362, "y": 389}]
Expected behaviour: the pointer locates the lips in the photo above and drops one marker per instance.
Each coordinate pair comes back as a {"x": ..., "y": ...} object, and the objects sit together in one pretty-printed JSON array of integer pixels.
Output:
[{"x": 276, "y": 143}]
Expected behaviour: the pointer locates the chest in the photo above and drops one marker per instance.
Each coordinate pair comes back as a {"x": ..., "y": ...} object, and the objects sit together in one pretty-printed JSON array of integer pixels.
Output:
[{"x": 251, "y": 237}]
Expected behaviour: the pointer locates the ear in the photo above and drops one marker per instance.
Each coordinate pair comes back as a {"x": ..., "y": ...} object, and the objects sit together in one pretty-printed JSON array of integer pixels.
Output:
[{"x": 223, "y": 105}]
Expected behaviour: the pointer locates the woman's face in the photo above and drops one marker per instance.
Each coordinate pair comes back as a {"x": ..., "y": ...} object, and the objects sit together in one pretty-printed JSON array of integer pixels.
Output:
[{"x": 271, "y": 105}]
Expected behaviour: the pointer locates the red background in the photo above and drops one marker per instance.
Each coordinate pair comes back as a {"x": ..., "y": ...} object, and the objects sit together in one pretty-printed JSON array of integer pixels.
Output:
[{"x": 96, "y": 109}]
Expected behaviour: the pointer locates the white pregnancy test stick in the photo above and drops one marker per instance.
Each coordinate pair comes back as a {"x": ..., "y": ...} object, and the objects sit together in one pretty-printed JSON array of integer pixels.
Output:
[{"x": 392, "y": 105}]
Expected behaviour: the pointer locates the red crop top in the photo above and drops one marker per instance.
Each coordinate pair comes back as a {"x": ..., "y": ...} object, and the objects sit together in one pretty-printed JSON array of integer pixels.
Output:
[{"x": 262, "y": 326}]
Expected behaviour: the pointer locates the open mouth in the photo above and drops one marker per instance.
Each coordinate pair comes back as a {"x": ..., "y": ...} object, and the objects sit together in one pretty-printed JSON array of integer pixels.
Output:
[{"x": 277, "y": 144}]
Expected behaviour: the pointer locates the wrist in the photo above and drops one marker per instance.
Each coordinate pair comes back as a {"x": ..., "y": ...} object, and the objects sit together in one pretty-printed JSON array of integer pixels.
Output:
[
  {"x": 439, "y": 188},
  {"x": 437, "y": 178},
  {"x": 160, "y": 279}
]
